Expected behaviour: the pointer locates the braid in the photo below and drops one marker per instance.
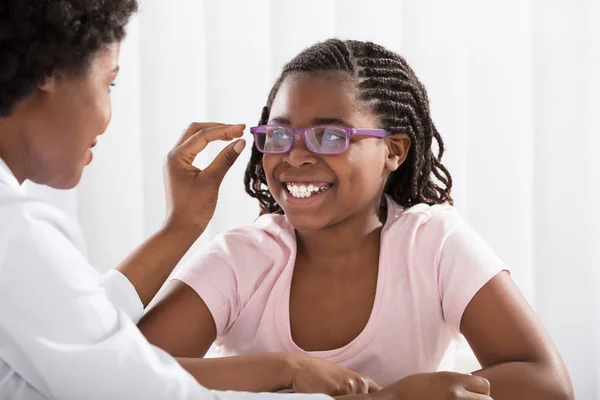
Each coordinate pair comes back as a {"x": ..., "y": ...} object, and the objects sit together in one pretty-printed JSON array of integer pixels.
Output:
[
  {"x": 255, "y": 179},
  {"x": 392, "y": 90}
]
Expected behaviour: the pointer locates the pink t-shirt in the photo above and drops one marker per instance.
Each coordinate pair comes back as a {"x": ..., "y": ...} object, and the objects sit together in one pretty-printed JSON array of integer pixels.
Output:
[{"x": 431, "y": 265}]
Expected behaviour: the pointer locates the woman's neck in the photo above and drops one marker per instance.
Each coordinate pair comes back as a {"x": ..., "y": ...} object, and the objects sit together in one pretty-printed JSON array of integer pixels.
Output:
[
  {"x": 12, "y": 151},
  {"x": 347, "y": 240}
]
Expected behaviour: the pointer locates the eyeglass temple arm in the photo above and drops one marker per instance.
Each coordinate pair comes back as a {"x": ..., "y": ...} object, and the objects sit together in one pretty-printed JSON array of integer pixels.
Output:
[{"x": 381, "y": 133}]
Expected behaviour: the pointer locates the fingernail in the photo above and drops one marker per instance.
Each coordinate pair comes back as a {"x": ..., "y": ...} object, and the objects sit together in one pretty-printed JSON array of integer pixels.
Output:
[
  {"x": 239, "y": 125},
  {"x": 239, "y": 146}
]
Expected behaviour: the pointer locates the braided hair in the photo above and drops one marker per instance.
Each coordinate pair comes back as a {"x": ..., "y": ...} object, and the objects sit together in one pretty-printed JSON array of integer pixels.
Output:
[{"x": 390, "y": 87}]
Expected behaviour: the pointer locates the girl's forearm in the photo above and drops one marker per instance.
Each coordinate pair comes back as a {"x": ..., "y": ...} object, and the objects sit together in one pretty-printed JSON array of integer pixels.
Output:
[{"x": 527, "y": 380}]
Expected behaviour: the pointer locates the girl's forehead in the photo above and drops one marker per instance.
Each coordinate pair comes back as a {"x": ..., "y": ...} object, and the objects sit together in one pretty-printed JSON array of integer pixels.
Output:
[{"x": 306, "y": 96}]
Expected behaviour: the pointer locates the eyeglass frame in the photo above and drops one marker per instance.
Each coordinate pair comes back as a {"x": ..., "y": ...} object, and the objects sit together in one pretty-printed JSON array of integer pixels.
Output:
[{"x": 372, "y": 132}]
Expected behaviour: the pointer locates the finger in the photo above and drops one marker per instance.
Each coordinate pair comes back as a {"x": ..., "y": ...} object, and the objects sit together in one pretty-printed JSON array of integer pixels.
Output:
[
  {"x": 199, "y": 140},
  {"x": 193, "y": 128},
  {"x": 474, "y": 396},
  {"x": 373, "y": 387},
  {"x": 476, "y": 384},
  {"x": 222, "y": 162},
  {"x": 357, "y": 385}
]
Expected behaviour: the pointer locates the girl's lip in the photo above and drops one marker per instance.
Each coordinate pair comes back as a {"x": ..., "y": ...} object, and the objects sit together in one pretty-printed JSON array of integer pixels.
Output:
[
  {"x": 307, "y": 183},
  {"x": 305, "y": 180}
]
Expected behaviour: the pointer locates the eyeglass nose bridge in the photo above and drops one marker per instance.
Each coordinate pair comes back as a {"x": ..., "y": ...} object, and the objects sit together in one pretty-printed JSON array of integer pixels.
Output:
[{"x": 299, "y": 135}]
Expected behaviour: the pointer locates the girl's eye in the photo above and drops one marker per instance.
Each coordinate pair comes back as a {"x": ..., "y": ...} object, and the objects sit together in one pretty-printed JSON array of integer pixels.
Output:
[
  {"x": 279, "y": 134},
  {"x": 332, "y": 136}
]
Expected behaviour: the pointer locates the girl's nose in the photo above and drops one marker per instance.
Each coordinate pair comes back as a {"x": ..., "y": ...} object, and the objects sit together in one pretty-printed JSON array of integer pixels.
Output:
[{"x": 300, "y": 156}]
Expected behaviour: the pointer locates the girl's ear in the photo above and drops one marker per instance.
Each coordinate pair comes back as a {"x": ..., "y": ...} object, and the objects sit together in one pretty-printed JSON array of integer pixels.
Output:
[{"x": 398, "y": 146}]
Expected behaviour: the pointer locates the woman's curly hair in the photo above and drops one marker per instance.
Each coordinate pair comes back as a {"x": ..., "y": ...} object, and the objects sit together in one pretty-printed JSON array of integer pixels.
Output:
[{"x": 40, "y": 37}]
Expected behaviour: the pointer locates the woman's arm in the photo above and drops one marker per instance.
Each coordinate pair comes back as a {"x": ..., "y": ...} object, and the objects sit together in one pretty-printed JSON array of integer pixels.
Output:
[
  {"x": 518, "y": 357},
  {"x": 148, "y": 267},
  {"x": 191, "y": 197},
  {"x": 181, "y": 324},
  {"x": 265, "y": 372}
]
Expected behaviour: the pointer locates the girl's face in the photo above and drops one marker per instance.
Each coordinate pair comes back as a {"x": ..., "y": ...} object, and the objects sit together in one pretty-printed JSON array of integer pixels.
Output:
[{"x": 352, "y": 182}]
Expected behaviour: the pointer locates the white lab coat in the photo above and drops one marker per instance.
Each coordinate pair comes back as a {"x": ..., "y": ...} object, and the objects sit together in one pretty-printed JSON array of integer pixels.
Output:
[{"x": 65, "y": 331}]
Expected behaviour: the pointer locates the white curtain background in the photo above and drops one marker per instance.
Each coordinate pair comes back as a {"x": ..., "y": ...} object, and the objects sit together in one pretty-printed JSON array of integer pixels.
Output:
[{"x": 515, "y": 92}]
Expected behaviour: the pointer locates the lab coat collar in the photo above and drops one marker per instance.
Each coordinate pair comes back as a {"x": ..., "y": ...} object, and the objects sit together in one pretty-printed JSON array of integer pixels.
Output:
[{"x": 8, "y": 178}]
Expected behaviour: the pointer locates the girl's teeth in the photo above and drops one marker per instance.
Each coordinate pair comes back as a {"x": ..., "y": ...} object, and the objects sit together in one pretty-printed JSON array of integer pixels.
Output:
[{"x": 304, "y": 191}]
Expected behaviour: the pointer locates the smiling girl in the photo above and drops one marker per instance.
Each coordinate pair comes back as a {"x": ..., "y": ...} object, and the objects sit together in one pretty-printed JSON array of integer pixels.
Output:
[{"x": 359, "y": 257}]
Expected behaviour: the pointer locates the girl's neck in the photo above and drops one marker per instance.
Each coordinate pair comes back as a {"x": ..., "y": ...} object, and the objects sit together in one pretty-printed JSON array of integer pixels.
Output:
[{"x": 347, "y": 240}]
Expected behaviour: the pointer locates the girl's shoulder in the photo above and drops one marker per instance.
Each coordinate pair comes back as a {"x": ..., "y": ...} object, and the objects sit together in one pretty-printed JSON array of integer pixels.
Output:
[
  {"x": 422, "y": 218},
  {"x": 269, "y": 234}
]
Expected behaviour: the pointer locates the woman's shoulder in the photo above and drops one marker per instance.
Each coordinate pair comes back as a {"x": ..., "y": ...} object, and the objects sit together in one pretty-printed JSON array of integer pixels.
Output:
[{"x": 30, "y": 219}]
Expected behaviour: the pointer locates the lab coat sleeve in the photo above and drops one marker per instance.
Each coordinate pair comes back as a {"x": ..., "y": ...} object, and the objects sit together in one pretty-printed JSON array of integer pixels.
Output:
[
  {"x": 121, "y": 292},
  {"x": 64, "y": 337}
]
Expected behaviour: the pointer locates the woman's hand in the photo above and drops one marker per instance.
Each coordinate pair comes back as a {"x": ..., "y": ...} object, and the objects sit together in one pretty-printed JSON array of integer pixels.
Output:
[
  {"x": 191, "y": 200},
  {"x": 191, "y": 193},
  {"x": 314, "y": 375},
  {"x": 437, "y": 386}
]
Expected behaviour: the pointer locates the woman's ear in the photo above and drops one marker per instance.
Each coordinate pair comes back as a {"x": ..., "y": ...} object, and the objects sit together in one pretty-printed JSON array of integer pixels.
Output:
[
  {"x": 398, "y": 147},
  {"x": 48, "y": 84}
]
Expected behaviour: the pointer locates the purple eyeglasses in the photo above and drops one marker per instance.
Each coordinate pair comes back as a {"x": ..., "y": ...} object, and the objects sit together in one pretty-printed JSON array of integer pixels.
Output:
[{"x": 327, "y": 140}]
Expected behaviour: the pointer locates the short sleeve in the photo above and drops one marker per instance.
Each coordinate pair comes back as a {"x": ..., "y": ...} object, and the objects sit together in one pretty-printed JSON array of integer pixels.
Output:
[
  {"x": 228, "y": 272},
  {"x": 463, "y": 261}
]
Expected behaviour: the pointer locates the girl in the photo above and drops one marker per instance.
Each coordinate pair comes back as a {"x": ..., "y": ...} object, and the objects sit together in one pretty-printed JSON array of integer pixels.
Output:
[{"x": 359, "y": 257}]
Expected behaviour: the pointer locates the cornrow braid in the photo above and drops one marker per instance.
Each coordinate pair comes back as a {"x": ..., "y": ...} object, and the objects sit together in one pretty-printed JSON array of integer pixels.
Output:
[{"x": 390, "y": 87}]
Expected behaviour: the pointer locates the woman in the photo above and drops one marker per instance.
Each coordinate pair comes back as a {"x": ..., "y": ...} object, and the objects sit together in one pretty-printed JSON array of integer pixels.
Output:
[{"x": 66, "y": 332}]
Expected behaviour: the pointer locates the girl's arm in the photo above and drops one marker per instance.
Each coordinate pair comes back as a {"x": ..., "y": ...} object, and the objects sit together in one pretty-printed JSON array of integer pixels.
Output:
[
  {"x": 519, "y": 360},
  {"x": 518, "y": 357},
  {"x": 180, "y": 322},
  {"x": 182, "y": 325}
]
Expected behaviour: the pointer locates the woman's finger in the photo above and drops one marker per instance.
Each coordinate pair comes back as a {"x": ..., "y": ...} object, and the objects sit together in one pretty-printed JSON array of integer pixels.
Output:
[
  {"x": 221, "y": 164},
  {"x": 193, "y": 128},
  {"x": 199, "y": 140}
]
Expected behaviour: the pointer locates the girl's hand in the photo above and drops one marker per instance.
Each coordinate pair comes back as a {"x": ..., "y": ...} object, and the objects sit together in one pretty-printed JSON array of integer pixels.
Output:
[
  {"x": 438, "y": 386},
  {"x": 314, "y": 375},
  {"x": 191, "y": 194}
]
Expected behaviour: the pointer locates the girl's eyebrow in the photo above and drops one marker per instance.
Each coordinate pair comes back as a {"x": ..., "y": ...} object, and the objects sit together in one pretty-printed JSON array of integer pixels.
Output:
[
  {"x": 315, "y": 121},
  {"x": 330, "y": 121},
  {"x": 280, "y": 120}
]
